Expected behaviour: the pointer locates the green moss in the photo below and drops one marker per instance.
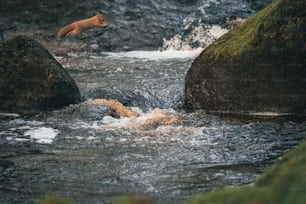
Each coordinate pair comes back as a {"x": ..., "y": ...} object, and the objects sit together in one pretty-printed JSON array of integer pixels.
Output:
[
  {"x": 259, "y": 66},
  {"x": 133, "y": 199},
  {"x": 244, "y": 36},
  {"x": 277, "y": 23},
  {"x": 284, "y": 182},
  {"x": 55, "y": 199}
]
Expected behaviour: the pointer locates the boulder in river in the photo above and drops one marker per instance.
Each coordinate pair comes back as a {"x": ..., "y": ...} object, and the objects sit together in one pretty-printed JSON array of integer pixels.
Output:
[
  {"x": 259, "y": 66},
  {"x": 31, "y": 79}
]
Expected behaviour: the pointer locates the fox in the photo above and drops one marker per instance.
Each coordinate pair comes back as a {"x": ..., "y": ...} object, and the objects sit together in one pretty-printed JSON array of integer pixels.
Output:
[{"x": 77, "y": 27}]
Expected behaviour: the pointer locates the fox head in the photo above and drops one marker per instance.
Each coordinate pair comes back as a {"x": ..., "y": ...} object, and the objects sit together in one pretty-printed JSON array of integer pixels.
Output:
[{"x": 102, "y": 19}]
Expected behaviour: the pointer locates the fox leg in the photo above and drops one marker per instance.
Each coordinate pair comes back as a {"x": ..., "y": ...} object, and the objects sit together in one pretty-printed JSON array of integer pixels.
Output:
[
  {"x": 68, "y": 34},
  {"x": 73, "y": 32}
]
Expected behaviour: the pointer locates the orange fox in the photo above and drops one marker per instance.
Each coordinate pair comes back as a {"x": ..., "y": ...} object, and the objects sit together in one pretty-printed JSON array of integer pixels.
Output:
[{"x": 78, "y": 27}]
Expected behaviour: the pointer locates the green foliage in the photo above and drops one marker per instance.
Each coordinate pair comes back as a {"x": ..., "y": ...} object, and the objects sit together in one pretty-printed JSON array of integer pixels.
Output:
[
  {"x": 55, "y": 199},
  {"x": 133, "y": 199},
  {"x": 284, "y": 183}
]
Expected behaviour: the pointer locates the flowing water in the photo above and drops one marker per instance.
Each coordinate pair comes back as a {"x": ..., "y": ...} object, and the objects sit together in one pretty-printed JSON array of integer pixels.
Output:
[
  {"x": 100, "y": 149},
  {"x": 91, "y": 154}
]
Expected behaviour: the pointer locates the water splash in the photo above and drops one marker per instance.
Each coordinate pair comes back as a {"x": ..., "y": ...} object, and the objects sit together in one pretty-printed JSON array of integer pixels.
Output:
[
  {"x": 157, "y": 55},
  {"x": 195, "y": 35},
  {"x": 134, "y": 117},
  {"x": 21, "y": 130},
  {"x": 116, "y": 106},
  {"x": 153, "y": 119},
  {"x": 42, "y": 135}
]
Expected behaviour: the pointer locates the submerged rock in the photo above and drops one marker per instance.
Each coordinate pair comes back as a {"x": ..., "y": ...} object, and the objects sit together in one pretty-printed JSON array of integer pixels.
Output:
[
  {"x": 258, "y": 66},
  {"x": 31, "y": 79}
]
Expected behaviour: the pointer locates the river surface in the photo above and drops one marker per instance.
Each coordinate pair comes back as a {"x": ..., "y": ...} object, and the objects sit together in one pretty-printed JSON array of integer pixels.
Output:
[
  {"x": 133, "y": 24},
  {"x": 91, "y": 152}
]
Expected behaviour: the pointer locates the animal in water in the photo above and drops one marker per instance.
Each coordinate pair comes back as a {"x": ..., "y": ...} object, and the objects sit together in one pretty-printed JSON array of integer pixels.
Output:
[
  {"x": 116, "y": 106},
  {"x": 153, "y": 119},
  {"x": 77, "y": 27}
]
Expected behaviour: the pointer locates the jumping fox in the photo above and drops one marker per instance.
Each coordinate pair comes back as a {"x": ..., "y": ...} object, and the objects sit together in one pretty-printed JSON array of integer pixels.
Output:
[{"x": 78, "y": 27}]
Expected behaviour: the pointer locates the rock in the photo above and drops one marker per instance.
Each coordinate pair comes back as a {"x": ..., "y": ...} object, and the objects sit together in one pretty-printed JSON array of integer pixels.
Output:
[
  {"x": 31, "y": 79},
  {"x": 53, "y": 198},
  {"x": 258, "y": 66},
  {"x": 133, "y": 199}
]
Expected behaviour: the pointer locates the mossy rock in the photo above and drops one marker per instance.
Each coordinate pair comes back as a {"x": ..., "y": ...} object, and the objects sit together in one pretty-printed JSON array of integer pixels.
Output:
[
  {"x": 54, "y": 199},
  {"x": 31, "y": 79},
  {"x": 284, "y": 182},
  {"x": 132, "y": 199},
  {"x": 258, "y": 66}
]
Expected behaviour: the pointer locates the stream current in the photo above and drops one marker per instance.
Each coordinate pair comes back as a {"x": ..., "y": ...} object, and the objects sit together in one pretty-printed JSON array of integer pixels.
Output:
[
  {"x": 89, "y": 153},
  {"x": 92, "y": 155}
]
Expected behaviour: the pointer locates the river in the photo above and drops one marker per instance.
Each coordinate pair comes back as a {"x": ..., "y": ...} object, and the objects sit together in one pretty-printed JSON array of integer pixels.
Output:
[
  {"x": 88, "y": 153},
  {"x": 93, "y": 154}
]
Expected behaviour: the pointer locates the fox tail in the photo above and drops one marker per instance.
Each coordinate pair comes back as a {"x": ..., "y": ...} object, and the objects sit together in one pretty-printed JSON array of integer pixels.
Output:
[{"x": 64, "y": 30}]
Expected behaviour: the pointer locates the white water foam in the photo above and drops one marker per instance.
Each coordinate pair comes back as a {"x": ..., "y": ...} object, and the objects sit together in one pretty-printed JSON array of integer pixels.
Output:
[
  {"x": 178, "y": 47},
  {"x": 270, "y": 114},
  {"x": 42, "y": 135},
  {"x": 9, "y": 115},
  {"x": 199, "y": 36},
  {"x": 156, "y": 55},
  {"x": 155, "y": 117}
]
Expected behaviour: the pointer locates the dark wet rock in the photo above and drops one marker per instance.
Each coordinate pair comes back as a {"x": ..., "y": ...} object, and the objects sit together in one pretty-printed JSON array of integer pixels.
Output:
[
  {"x": 31, "y": 79},
  {"x": 258, "y": 66}
]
